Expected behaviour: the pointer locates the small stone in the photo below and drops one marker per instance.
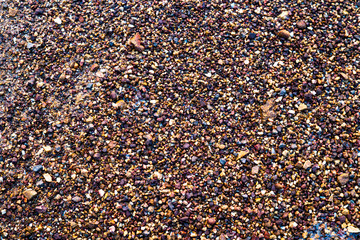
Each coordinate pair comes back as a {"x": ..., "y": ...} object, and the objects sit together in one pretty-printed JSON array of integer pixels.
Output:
[
  {"x": 47, "y": 177},
  {"x": 112, "y": 229},
  {"x": 39, "y": 12},
  {"x": 242, "y": 153},
  {"x": 284, "y": 15},
  {"x": 135, "y": 41},
  {"x": 293, "y": 225},
  {"x": 252, "y": 36},
  {"x": 302, "y": 107},
  {"x": 255, "y": 170},
  {"x": 29, "y": 193},
  {"x": 120, "y": 104},
  {"x": 301, "y": 24},
  {"x": 208, "y": 74},
  {"x": 12, "y": 12},
  {"x": 344, "y": 76},
  {"x": 307, "y": 164},
  {"x": 284, "y": 34},
  {"x": 47, "y": 149},
  {"x": 222, "y": 161},
  {"x": 352, "y": 229},
  {"x": 57, "y": 20},
  {"x": 211, "y": 221},
  {"x": 40, "y": 209},
  {"x": 343, "y": 178},
  {"x": 76, "y": 199},
  {"x": 221, "y": 146},
  {"x": 37, "y": 168},
  {"x": 94, "y": 67},
  {"x": 84, "y": 172},
  {"x": 101, "y": 193},
  {"x": 151, "y": 209},
  {"x": 158, "y": 175},
  {"x": 223, "y": 237},
  {"x": 30, "y": 45}
]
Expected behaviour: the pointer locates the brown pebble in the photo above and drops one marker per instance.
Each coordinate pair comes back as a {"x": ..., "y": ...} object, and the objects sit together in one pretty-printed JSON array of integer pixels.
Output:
[
  {"x": 12, "y": 12},
  {"x": 284, "y": 34},
  {"x": 94, "y": 67},
  {"x": 211, "y": 221},
  {"x": 29, "y": 193},
  {"x": 343, "y": 178},
  {"x": 301, "y": 24},
  {"x": 135, "y": 41}
]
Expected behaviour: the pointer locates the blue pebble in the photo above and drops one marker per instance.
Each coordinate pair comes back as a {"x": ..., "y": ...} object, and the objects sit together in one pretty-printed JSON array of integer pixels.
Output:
[
  {"x": 37, "y": 168},
  {"x": 282, "y": 92},
  {"x": 222, "y": 161}
]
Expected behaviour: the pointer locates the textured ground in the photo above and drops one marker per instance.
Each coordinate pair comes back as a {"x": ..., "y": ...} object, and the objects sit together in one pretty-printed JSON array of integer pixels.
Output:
[{"x": 179, "y": 119}]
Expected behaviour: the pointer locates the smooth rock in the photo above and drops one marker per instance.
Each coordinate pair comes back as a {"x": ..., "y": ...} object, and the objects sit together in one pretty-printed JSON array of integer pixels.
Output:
[
  {"x": 76, "y": 199},
  {"x": 12, "y": 12},
  {"x": 284, "y": 34},
  {"x": 252, "y": 36}
]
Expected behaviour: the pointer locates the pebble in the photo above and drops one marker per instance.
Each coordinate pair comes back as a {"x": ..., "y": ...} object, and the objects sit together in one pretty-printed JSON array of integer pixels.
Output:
[
  {"x": 301, "y": 24},
  {"x": 76, "y": 199},
  {"x": 94, "y": 67},
  {"x": 13, "y": 12},
  {"x": 37, "y": 168},
  {"x": 352, "y": 229},
  {"x": 307, "y": 164},
  {"x": 135, "y": 41},
  {"x": 29, "y": 194},
  {"x": 284, "y": 34},
  {"x": 343, "y": 178},
  {"x": 57, "y": 20},
  {"x": 255, "y": 170},
  {"x": 252, "y": 36},
  {"x": 47, "y": 149},
  {"x": 41, "y": 209},
  {"x": 160, "y": 117},
  {"x": 211, "y": 221},
  {"x": 302, "y": 107},
  {"x": 47, "y": 177}
]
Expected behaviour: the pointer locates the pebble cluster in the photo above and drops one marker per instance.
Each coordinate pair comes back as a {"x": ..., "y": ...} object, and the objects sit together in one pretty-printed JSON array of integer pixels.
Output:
[{"x": 179, "y": 119}]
